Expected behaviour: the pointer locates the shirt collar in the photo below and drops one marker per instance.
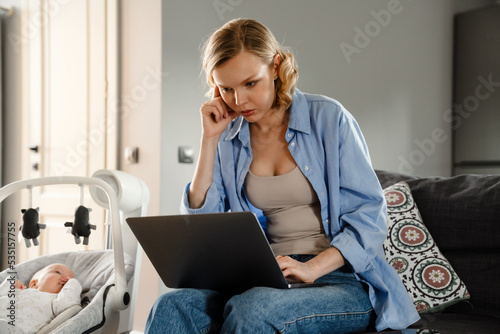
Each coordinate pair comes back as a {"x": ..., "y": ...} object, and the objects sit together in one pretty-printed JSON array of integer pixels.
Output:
[
  {"x": 235, "y": 127},
  {"x": 299, "y": 120},
  {"x": 299, "y": 113}
]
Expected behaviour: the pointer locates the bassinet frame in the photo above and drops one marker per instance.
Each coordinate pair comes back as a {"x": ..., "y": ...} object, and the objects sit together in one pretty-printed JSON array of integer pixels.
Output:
[{"x": 118, "y": 297}]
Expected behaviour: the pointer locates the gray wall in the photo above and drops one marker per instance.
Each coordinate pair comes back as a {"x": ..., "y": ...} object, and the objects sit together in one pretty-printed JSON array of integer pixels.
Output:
[{"x": 389, "y": 62}]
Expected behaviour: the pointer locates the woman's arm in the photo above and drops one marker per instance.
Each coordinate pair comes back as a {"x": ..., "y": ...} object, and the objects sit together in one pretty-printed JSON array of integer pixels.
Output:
[
  {"x": 203, "y": 175},
  {"x": 355, "y": 200},
  {"x": 215, "y": 117}
]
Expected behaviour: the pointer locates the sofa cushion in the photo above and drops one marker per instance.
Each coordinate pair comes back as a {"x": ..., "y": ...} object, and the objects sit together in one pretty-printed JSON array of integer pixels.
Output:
[
  {"x": 457, "y": 210},
  {"x": 462, "y": 213},
  {"x": 448, "y": 323},
  {"x": 428, "y": 277}
]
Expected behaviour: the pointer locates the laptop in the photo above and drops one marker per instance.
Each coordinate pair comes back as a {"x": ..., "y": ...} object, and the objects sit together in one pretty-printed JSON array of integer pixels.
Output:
[{"x": 219, "y": 251}]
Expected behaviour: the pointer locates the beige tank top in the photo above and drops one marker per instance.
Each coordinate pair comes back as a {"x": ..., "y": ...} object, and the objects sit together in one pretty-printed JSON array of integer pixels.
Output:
[{"x": 293, "y": 211}]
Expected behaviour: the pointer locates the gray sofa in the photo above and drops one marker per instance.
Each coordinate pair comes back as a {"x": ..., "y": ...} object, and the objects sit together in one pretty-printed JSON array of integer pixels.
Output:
[{"x": 462, "y": 214}]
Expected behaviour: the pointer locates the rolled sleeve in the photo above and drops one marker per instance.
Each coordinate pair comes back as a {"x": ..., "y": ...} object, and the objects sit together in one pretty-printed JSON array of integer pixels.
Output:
[
  {"x": 352, "y": 252},
  {"x": 213, "y": 201}
]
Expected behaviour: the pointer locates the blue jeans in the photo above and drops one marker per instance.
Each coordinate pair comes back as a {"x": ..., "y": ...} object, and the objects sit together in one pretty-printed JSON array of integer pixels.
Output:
[{"x": 342, "y": 307}]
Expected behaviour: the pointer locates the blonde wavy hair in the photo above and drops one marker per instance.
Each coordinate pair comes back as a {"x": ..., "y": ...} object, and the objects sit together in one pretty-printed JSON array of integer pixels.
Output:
[{"x": 249, "y": 35}]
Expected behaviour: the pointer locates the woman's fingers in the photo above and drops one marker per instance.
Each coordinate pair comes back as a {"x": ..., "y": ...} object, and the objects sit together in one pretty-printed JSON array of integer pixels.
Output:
[
  {"x": 216, "y": 92},
  {"x": 295, "y": 270},
  {"x": 217, "y": 98},
  {"x": 216, "y": 115},
  {"x": 289, "y": 270},
  {"x": 222, "y": 109},
  {"x": 215, "y": 109}
]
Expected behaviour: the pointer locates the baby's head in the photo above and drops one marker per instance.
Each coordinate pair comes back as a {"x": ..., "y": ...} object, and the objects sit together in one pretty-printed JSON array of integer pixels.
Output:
[{"x": 51, "y": 278}]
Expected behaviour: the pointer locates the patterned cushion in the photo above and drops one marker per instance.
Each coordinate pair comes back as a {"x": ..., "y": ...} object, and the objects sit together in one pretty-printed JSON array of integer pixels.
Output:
[{"x": 410, "y": 249}]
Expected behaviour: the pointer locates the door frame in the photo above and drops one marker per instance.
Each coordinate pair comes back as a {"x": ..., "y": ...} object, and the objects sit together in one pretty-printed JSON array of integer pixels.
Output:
[{"x": 34, "y": 60}]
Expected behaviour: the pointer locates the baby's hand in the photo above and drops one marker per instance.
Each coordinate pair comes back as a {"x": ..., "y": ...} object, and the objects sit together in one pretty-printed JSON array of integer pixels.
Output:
[
  {"x": 19, "y": 285},
  {"x": 64, "y": 279}
]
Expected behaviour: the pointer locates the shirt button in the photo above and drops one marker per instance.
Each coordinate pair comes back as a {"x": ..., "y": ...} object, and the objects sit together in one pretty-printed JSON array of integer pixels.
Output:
[
  {"x": 322, "y": 194},
  {"x": 306, "y": 167},
  {"x": 327, "y": 221},
  {"x": 289, "y": 135},
  {"x": 293, "y": 144}
]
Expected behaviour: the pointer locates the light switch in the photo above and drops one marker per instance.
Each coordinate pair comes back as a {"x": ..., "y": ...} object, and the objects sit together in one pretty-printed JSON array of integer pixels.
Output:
[
  {"x": 186, "y": 154},
  {"x": 131, "y": 154}
]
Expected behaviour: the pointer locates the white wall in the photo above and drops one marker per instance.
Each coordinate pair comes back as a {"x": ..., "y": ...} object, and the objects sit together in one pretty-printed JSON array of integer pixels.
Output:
[{"x": 397, "y": 84}]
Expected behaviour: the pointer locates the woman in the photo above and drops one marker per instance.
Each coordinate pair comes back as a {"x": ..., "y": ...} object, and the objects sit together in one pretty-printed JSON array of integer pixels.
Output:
[{"x": 300, "y": 161}]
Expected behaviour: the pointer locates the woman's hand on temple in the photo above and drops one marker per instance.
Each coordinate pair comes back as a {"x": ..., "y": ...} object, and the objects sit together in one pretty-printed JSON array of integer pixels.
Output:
[{"x": 215, "y": 116}]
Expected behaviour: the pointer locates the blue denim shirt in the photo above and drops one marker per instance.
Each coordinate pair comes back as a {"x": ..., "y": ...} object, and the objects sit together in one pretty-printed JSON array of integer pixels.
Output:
[{"x": 329, "y": 148}]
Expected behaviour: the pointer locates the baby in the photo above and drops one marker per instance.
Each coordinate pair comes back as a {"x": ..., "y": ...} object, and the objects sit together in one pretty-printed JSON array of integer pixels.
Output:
[{"x": 51, "y": 291}]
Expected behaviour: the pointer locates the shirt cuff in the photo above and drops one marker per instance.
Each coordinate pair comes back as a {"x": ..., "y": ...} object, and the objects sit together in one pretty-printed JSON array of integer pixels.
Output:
[
  {"x": 353, "y": 252},
  {"x": 211, "y": 203}
]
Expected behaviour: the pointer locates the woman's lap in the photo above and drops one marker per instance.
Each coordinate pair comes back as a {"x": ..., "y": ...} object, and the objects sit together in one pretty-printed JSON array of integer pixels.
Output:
[{"x": 343, "y": 306}]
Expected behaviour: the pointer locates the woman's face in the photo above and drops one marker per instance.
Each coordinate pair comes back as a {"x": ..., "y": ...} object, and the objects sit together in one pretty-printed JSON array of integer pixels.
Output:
[{"x": 246, "y": 84}]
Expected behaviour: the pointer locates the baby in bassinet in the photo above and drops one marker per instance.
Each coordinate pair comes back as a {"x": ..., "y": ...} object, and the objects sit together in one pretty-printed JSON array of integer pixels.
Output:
[{"x": 52, "y": 290}]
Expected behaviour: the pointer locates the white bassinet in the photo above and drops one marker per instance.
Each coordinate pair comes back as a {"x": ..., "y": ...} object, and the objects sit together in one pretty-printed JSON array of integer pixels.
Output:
[{"x": 109, "y": 278}]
